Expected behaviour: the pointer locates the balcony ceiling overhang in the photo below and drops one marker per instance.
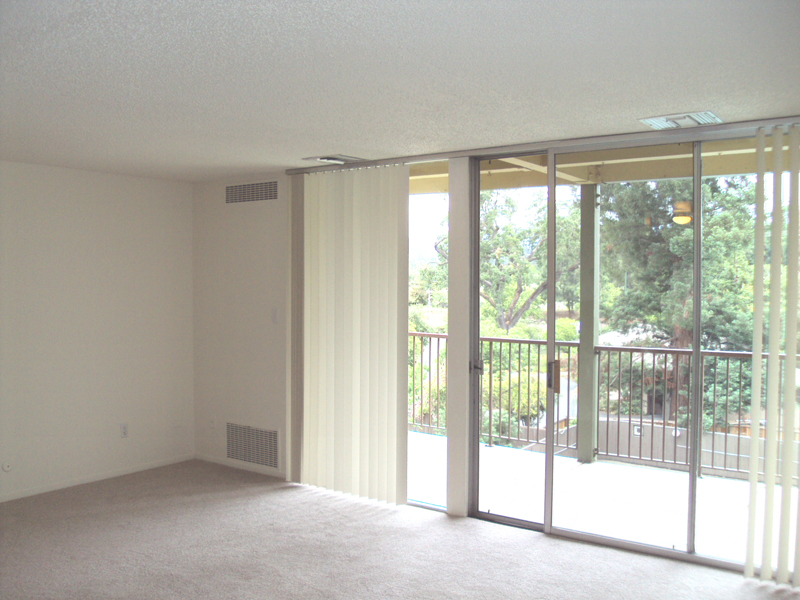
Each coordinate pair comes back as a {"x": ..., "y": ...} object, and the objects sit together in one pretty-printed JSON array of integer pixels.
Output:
[{"x": 648, "y": 163}]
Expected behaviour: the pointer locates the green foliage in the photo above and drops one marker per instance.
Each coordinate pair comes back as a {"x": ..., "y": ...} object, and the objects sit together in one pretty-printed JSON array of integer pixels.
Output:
[
  {"x": 427, "y": 319},
  {"x": 513, "y": 269},
  {"x": 513, "y": 388},
  {"x": 568, "y": 248},
  {"x": 428, "y": 285},
  {"x": 416, "y": 320},
  {"x": 646, "y": 289},
  {"x": 647, "y": 261},
  {"x": 728, "y": 258},
  {"x": 649, "y": 258},
  {"x": 566, "y": 330},
  {"x": 427, "y": 383},
  {"x": 513, "y": 255},
  {"x": 727, "y": 385}
]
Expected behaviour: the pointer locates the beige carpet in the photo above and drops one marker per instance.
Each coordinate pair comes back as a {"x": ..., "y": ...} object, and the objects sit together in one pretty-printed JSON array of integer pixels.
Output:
[{"x": 198, "y": 530}]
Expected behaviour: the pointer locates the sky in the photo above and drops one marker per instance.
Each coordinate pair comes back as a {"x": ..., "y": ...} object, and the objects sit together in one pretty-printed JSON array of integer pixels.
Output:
[{"x": 427, "y": 214}]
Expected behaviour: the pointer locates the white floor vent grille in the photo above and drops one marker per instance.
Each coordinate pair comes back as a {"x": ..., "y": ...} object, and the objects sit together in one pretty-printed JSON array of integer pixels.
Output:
[
  {"x": 251, "y": 192},
  {"x": 259, "y": 446}
]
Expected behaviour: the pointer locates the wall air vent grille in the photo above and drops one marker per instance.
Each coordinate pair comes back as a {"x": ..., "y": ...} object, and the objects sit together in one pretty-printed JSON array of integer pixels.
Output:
[
  {"x": 259, "y": 446},
  {"x": 251, "y": 192}
]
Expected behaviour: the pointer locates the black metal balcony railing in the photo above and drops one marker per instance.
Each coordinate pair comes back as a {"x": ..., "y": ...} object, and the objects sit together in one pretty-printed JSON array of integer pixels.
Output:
[
  {"x": 514, "y": 393},
  {"x": 427, "y": 382},
  {"x": 642, "y": 400}
]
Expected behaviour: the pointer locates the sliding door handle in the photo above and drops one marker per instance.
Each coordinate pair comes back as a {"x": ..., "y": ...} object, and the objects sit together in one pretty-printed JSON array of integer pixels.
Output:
[{"x": 554, "y": 376}]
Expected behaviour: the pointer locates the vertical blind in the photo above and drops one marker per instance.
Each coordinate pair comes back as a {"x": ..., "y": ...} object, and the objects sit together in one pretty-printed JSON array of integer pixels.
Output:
[
  {"x": 773, "y": 543},
  {"x": 356, "y": 323}
]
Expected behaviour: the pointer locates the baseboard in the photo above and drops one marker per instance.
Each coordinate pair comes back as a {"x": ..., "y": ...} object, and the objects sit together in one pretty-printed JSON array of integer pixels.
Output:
[
  {"x": 244, "y": 466},
  {"x": 96, "y": 477}
]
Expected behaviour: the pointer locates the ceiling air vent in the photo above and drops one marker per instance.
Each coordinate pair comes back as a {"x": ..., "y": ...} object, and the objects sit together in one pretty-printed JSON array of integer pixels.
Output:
[
  {"x": 682, "y": 120},
  {"x": 259, "y": 446},
  {"x": 335, "y": 159},
  {"x": 252, "y": 192}
]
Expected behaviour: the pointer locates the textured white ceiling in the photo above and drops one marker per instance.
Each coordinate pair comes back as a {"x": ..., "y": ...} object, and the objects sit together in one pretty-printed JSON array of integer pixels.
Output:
[{"x": 194, "y": 90}]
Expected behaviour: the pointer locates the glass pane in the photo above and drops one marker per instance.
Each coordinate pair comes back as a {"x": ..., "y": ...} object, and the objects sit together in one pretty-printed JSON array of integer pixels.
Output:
[
  {"x": 636, "y": 488},
  {"x": 427, "y": 326},
  {"x": 513, "y": 333},
  {"x": 729, "y": 197},
  {"x": 567, "y": 286}
]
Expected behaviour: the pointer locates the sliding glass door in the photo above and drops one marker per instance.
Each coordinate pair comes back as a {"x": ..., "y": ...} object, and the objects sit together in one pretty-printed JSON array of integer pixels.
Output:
[
  {"x": 632, "y": 481},
  {"x": 598, "y": 258},
  {"x": 513, "y": 275},
  {"x": 614, "y": 291}
]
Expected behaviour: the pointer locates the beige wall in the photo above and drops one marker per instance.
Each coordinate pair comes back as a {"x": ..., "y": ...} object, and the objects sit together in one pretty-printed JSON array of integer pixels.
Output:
[
  {"x": 95, "y": 325},
  {"x": 241, "y": 274}
]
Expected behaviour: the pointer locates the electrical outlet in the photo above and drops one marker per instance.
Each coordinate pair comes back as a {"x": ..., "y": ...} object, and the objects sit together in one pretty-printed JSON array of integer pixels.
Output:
[{"x": 123, "y": 430}]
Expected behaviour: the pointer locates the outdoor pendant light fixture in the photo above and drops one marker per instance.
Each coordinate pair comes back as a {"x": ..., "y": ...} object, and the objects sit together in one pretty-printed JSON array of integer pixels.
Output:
[{"x": 682, "y": 212}]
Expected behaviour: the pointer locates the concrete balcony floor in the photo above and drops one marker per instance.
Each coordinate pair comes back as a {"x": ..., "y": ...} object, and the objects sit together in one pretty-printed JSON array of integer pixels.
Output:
[{"x": 635, "y": 503}]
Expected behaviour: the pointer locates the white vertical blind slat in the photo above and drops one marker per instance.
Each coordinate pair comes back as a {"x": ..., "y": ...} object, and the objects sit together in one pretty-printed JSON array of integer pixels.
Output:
[
  {"x": 327, "y": 274},
  {"x": 310, "y": 334},
  {"x": 773, "y": 366},
  {"x": 355, "y": 373},
  {"x": 788, "y": 451},
  {"x": 343, "y": 331},
  {"x": 383, "y": 372},
  {"x": 401, "y": 336},
  {"x": 391, "y": 342},
  {"x": 375, "y": 343},
  {"x": 758, "y": 333},
  {"x": 366, "y": 349},
  {"x": 356, "y": 443},
  {"x": 793, "y": 298},
  {"x": 337, "y": 287}
]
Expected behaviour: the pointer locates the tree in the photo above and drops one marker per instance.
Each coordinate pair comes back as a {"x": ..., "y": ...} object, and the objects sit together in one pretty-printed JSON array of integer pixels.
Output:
[
  {"x": 647, "y": 267},
  {"x": 728, "y": 258},
  {"x": 513, "y": 255},
  {"x": 649, "y": 257},
  {"x": 647, "y": 261},
  {"x": 647, "y": 284}
]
